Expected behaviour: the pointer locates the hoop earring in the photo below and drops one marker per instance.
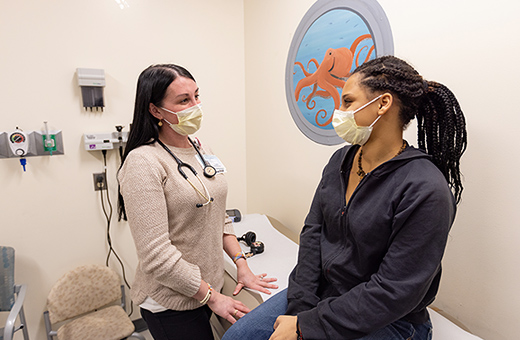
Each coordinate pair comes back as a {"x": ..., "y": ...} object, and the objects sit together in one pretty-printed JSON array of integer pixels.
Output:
[{"x": 160, "y": 123}]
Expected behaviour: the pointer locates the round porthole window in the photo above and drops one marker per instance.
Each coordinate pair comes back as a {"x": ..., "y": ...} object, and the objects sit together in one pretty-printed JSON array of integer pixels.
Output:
[{"x": 333, "y": 38}]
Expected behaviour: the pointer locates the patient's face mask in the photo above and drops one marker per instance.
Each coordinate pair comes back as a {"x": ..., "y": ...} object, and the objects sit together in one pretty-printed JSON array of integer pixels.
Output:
[
  {"x": 346, "y": 127},
  {"x": 190, "y": 120}
]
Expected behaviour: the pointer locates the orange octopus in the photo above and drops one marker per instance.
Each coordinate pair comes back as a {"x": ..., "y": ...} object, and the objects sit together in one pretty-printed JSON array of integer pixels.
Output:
[{"x": 330, "y": 74}]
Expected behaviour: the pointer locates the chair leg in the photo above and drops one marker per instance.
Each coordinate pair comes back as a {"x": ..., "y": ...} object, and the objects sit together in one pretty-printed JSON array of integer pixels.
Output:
[
  {"x": 8, "y": 332},
  {"x": 24, "y": 325},
  {"x": 48, "y": 326},
  {"x": 137, "y": 336}
]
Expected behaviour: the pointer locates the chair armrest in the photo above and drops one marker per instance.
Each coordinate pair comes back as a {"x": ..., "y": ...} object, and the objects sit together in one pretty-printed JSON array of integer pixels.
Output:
[{"x": 20, "y": 291}]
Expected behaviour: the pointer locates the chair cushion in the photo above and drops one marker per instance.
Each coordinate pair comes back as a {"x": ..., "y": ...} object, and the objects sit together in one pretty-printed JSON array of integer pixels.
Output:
[
  {"x": 83, "y": 290},
  {"x": 6, "y": 278},
  {"x": 109, "y": 323}
]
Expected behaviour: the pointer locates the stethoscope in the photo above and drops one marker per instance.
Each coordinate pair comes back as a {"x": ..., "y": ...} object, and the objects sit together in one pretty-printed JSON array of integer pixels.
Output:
[{"x": 209, "y": 171}]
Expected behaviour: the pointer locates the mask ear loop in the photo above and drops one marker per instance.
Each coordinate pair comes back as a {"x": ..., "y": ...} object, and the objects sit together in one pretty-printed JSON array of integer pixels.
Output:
[
  {"x": 168, "y": 121},
  {"x": 370, "y": 102},
  {"x": 362, "y": 107},
  {"x": 375, "y": 121},
  {"x": 170, "y": 111}
]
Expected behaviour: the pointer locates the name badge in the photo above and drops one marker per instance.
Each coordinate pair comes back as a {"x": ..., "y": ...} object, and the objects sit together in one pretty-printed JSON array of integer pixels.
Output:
[{"x": 214, "y": 162}]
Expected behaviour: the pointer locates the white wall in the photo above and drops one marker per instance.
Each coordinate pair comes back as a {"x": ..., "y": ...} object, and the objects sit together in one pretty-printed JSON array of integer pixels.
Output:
[
  {"x": 472, "y": 47},
  {"x": 51, "y": 214}
]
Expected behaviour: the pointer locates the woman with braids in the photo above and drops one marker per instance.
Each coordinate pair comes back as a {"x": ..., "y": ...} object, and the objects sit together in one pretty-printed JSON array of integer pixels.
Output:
[
  {"x": 370, "y": 252},
  {"x": 175, "y": 205}
]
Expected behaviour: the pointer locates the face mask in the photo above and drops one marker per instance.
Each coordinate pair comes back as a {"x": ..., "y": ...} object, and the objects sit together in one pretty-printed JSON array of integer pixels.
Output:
[
  {"x": 189, "y": 120},
  {"x": 346, "y": 127}
]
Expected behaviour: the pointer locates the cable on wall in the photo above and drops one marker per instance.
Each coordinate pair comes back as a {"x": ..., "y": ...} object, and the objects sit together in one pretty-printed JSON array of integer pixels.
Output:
[{"x": 108, "y": 216}]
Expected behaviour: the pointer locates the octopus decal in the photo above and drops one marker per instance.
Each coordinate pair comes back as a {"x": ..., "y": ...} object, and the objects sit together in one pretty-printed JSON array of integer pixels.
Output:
[{"x": 331, "y": 74}]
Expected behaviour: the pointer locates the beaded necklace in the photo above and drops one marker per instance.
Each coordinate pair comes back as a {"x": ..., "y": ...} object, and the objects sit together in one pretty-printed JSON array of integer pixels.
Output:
[{"x": 361, "y": 173}]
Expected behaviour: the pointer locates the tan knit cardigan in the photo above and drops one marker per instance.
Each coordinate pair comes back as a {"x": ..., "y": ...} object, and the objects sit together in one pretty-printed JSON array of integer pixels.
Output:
[{"x": 177, "y": 243}]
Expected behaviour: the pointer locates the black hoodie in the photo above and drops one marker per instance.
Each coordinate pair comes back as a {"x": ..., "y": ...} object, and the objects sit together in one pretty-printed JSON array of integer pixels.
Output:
[{"x": 376, "y": 260}]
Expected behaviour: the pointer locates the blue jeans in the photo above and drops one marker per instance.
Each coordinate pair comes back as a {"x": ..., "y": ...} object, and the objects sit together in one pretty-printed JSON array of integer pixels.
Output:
[{"x": 258, "y": 324}]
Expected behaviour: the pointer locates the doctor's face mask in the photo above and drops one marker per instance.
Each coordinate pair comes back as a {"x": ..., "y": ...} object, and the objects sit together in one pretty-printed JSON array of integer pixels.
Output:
[{"x": 190, "y": 120}]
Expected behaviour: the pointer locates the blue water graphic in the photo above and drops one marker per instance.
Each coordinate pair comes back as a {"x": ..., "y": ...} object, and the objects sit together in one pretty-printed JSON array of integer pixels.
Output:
[{"x": 334, "y": 29}]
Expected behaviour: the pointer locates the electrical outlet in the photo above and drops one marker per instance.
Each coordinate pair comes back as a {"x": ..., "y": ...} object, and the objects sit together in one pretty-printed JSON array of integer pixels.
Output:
[{"x": 100, "y": 181}]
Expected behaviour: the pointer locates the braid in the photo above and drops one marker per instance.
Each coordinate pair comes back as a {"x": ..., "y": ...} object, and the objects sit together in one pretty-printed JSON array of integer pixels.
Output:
[
  {"x": 440, "y": 121},
  {"x": 443, "y": 122}
]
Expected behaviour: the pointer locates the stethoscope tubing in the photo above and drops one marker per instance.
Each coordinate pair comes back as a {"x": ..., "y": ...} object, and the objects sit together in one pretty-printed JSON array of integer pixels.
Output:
[{"x": 181, "y": 164}]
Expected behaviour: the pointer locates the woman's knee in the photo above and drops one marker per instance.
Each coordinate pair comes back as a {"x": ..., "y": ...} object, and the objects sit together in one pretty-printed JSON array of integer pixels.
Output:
[{"x": 258, "y": 324}]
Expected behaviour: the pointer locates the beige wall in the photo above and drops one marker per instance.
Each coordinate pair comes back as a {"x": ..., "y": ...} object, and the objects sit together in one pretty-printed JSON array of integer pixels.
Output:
[
  {"x": 51, "y": 214},
  {"x": 237, "y": 50},
  {"x": 472, "y": 47}
]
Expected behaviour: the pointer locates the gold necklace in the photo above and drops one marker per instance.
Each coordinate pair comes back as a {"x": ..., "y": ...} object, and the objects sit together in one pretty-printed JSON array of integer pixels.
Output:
[{"x": 361, "y": 173}]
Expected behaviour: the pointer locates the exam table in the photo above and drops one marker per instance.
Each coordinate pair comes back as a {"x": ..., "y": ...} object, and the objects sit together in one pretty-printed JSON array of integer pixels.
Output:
[{"x": 279, "y": 264}]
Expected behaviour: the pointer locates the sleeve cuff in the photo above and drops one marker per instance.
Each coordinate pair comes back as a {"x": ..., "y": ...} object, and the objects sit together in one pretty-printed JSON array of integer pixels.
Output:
[
  {"x": 191, "y": 285},
  {"x": 310, "y": 325},
  {"x": 228, "y": 227}
]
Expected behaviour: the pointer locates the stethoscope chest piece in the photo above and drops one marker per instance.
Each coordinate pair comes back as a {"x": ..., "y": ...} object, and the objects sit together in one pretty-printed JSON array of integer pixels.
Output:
[{"x": 209, "y": 171}]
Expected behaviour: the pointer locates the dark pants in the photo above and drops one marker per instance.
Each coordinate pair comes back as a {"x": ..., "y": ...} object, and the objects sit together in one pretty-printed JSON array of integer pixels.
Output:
[{"x": 179, "y": 325}]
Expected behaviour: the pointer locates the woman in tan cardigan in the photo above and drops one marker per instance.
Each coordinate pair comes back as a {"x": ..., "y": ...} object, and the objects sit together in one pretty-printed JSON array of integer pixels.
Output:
[{"x": 175, "y": 203}]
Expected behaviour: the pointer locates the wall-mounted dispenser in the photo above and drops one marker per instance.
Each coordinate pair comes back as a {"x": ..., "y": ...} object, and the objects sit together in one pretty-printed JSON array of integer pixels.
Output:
[
  {"x": 48, "y": 143},
  {"x": 91, "y": 82}
]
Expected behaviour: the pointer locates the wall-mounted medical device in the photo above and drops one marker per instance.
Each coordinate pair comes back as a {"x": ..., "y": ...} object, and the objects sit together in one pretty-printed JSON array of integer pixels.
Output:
[
  {"x": 48, "y": 143},
  {"x": 18, "y": 142},
  {"x": 91, "y": 82},
  {"x": 21, "y": 144},
  {"x": 104, "y": 141}
]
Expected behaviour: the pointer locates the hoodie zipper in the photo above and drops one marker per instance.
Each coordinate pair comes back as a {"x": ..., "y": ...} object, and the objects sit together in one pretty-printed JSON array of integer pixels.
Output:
[
  {"x": 343, "y": 213},
  {"x": 343, "y": 219}
]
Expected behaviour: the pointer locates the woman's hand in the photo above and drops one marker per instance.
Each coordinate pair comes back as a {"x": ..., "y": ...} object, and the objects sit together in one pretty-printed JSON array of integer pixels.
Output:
[
  {"x": 227, "y": 307},
  {"x": 246, "y": 278},
  {"x": 285, "y": 328}
]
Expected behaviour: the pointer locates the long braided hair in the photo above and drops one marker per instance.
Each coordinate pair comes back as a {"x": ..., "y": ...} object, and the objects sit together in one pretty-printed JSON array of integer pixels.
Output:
[{"x": 440, "y": 121}]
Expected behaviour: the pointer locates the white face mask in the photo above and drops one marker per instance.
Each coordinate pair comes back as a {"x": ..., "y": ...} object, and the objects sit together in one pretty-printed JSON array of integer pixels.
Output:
[
  {"x": 346, "y": 127},
  {"x": 190, "y": 120}
]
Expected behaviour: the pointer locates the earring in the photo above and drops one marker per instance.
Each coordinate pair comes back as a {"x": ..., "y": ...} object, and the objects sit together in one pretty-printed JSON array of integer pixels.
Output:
[{"x": 160, "y": 123}]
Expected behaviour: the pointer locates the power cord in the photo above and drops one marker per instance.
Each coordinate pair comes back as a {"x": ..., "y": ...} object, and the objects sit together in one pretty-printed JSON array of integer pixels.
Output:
[{"x": 108, "y": 217}]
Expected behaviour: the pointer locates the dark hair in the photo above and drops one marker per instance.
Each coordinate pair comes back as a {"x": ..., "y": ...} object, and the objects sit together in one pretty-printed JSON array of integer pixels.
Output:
[
  {"x": 440, "y": 121},
  {"x": 151, "y": 88}
]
